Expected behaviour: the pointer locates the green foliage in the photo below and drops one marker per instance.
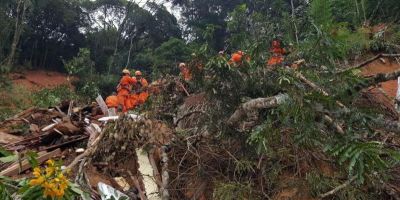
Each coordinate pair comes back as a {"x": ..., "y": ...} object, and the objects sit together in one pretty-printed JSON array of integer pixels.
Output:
[
  {"x": 363, "y": 158},
  {"x": 5, "y": 194},
  {"x": 51, "y": 97},
  {"x": 320, "y": 184},
  {"x": 6, "y": 156},
  {"x": 169, "y": 55},
  {"x": 264, "y": 137},
  {"x": 321, "y": 13},
  {"x": 237, "y": 26},
  {"x": 89, "y": 90},
  {"x": 80, "y": 65}
]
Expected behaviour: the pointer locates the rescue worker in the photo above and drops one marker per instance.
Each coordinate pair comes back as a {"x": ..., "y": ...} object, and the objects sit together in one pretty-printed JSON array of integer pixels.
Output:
[
  {"x": 112, "y": 101},
  {"x": 140, "y": 89},
  {"x": 185, "y": 72},
  {"x": 277, "y": 53},
  {"x": 237, "y": 58},
  {"x": 124, "y": 89}
]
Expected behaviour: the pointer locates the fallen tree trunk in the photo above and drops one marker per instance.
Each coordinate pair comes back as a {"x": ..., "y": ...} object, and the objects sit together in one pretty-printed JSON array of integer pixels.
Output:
[
  {"x": 256, "y": 104},
  {"x": 271, "y": 102}
]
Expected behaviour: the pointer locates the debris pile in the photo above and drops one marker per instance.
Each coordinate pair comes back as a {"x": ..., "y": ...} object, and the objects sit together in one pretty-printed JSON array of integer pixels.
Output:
[
  {"x": 102, "y": 151},
  {"x": 47, "y": 131}
]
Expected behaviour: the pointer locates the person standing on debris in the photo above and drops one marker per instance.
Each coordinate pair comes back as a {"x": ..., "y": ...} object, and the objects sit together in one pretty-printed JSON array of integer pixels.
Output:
[
  {"x": 124, "y": 88},
  {"x": 237, "y": 58},
  {"x": 185, "y": 72},
  {"x": 277, "y": 53},
  {"x": 140, "y": 90}
]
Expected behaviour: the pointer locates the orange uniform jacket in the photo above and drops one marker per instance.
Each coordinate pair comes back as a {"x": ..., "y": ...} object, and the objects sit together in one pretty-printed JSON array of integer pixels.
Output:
[
  {"x": 123, "y": 90},
  {"x": 140, "y": 93},
  {"x": 112, "y": 101},
  {"x": 186, "y": 73},
  {"x": 277, "y": 56}
]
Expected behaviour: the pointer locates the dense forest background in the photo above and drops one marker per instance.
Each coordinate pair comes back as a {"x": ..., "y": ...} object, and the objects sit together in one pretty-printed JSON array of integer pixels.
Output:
[{"x": 47, "y": 34}]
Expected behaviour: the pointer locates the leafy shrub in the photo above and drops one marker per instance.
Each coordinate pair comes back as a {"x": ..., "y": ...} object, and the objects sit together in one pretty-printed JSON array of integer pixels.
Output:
[
  {"x": 89, "y": 90},
  {"x": 81, "y": 64},
  {"x": 364, "y": 158},
  {"x": 51, "y": 97}
]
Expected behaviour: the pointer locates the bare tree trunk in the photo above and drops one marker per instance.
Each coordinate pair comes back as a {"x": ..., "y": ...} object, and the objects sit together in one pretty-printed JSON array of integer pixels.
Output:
[
  {"x": 129, "y": 53},
  {"x": 17, "y": 32},
  {"x": 357, "y": 9},
  {"x": 294, "y": 23},
  {"x": 45, "y": 57},
  {"x": 113, "y": 56},
  {"x": 363, "y": 8}
]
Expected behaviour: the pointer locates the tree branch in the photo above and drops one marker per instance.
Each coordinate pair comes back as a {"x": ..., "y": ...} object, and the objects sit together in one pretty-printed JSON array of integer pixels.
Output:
[
  {"x": 345, "y": 184},
  {"x": 256, "y": 104}
]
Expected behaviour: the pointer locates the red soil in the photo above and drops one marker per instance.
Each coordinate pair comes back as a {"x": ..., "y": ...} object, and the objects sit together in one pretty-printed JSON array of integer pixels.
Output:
[
  {"x": 377, "y": 66},
  {"x": 39, "y": 79},
  {"x": 385, "y": 92},
  {"x": 390, "y": 88}
]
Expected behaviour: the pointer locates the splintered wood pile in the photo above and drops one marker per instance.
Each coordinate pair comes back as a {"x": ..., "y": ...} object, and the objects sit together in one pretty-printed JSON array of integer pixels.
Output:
[
  {"x": 93, "y": 147},
  {"x": 135, "y": 150},
  {"x": 52, "y": 132}
]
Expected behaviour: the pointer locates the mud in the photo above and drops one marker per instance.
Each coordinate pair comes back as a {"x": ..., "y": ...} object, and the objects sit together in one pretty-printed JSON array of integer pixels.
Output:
[{"x": 39, "y": 79}]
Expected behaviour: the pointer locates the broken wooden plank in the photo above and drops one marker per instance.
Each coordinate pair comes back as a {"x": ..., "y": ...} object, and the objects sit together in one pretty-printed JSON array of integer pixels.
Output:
[
  {"x": 6, "y": 138},
  {"x": 14, "y": 169},
  {"x": 70, "y": 108},
  {"x": 102, "y": 104}
]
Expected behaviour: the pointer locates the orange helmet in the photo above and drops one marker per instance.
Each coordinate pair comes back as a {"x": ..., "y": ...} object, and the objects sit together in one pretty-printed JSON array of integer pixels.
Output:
[
  {"x": 236, "y": 57},
  {"x": 126, "y": 71},
  {"x": 138, "y": 73}
]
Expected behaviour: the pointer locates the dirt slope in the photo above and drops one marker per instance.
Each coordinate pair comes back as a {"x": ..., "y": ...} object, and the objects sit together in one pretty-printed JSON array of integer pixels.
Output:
[
  {"x": 39, "y": 79},
  {"x": 384, "y": 92}
]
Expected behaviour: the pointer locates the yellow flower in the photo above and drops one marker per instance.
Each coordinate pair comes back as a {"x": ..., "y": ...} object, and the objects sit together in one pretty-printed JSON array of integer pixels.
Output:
[
  {"x": 37, "y": 181},
  {"x": 50, "y": 163},
  {"x": 49, "y": 171},
  {"x": 36, "y": 172},
  {"x": 51, "y": 179}
]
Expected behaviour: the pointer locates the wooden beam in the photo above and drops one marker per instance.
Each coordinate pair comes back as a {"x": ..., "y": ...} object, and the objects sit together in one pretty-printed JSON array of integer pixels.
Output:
[
  {"x": 102, "y": 104},
  {"x": 14, "y": 169}
]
